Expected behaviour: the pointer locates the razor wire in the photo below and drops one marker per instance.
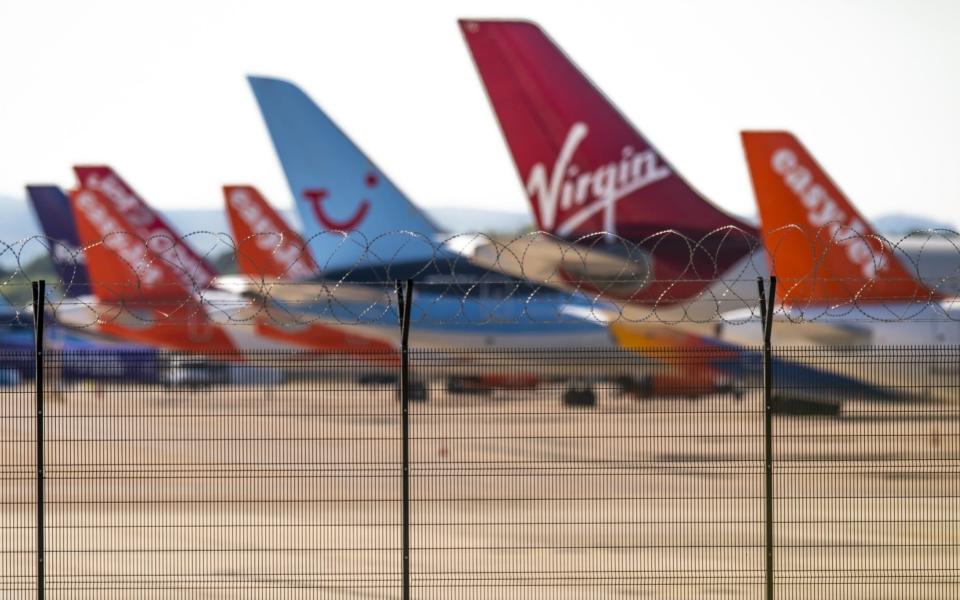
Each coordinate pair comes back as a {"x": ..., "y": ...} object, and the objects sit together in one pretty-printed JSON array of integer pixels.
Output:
[{"x": 665, "y": 278}]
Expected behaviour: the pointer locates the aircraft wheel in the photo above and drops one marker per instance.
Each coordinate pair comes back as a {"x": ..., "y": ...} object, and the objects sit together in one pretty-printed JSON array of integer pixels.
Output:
[
  {"x": 466, "y": 385},
  {"x": 417, "y": 390},
  {"x": 801, "y": 407},
  {"x": 577, "y": 396}
]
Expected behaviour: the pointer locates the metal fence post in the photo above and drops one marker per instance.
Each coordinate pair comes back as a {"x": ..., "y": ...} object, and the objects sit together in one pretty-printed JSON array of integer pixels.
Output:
[
  {"x": 766, "y": 318},
  {"x": 39, "y": 293},
  {"x": 404, "y": 300}
]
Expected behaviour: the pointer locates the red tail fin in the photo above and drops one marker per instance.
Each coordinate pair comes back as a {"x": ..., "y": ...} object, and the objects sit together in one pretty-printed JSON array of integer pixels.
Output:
[
  {"x": 150, "y": 303},
  {"x": 817, "y": 243},
  {"x": 266, "y": 246},
  {"x": 585, "y": 168},
  {"x": 146, "y": 223}
]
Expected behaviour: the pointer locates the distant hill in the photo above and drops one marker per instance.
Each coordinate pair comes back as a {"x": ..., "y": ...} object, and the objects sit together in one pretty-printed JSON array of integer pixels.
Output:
[
  {"x": 899, "y": 224},
  {"x": 18, "y": 222},
  {"x": 449, "y": 218}
]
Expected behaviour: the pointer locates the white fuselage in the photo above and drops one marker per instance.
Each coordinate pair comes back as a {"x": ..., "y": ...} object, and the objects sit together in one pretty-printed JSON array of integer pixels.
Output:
[{"x": 915, "y": 324}]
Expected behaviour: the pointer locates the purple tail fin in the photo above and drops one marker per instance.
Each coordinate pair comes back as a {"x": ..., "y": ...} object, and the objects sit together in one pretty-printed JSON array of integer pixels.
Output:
[{"x": 52, "y": 208}]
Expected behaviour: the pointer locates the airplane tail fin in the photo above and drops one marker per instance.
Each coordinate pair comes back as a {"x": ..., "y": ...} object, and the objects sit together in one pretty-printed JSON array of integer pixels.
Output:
[
  {"x": 121, "y": 263},
  {"x": 142, "y": 295},
  {"x": 52, "y": 209},
  {"x": 586, "y": 169},
  {"x": 266, "y": 246},
  {"x": 818, "y": 244},
  {"x": 350, "y": 210},
  {"x": 147, "y": 223}
]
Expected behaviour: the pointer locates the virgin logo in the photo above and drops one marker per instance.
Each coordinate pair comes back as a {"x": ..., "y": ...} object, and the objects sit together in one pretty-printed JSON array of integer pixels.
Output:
[
  {"x": 566, "y": 197},
  {"x": 316, "y": 197}
]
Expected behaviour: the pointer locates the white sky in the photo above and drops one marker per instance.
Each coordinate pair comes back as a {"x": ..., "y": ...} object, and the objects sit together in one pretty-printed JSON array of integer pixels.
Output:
[{"x": 158, "y": 91}]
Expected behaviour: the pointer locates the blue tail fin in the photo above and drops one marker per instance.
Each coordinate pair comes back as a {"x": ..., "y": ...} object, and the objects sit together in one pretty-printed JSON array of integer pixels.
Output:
[
  {"x": 353, "y": 215},
  {"x": 52, "y": 208}
]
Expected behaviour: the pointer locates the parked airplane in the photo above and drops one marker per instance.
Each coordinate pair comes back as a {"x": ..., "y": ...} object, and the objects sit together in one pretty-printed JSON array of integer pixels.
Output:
[
  {"x": 353, "y": 216},
  {"x": 363, "y": 231},
  {"x": 465, "y": 306},
  {"x": 144, "y": 289},
  {"x": 72, "y": 355},
  {"x": 839, "y": 282},
  {"x": 266, "y": 246},
  {"x": 51, "y": 207},
  {"x": 193, "y": 269},
  {"x": 148, "y": 286},
  {"x": 137, "y": 294},
  {"x": 588, "y": 173},
  {"x": 278, "y": 265},
  {"x": 271, "y": 254},
  {"x": 131, "y": 362},
  {"x": 586, "y": 170}
]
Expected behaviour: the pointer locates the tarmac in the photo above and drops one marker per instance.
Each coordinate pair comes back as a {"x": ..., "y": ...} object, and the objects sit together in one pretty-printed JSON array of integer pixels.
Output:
[{"x": 235, "y": 492}]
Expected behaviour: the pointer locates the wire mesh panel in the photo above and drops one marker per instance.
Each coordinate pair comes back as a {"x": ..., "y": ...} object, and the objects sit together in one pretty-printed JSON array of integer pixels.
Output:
[
  {"x": 585, "y": 473},
  {"x": 266, "y": 475},
  {"x": 867, "y": 501},
  {"x": 535, "y": 473},
  {"x": 18, "y": 508}
]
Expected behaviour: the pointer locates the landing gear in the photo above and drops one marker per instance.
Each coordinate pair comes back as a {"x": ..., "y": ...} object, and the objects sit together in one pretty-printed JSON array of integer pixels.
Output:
[
  {"x": 799, "y": 406},
  {"x": 467, "y": 385},
  {"x": 641, "y": 388},
  {"x": 417, "y": 390},
  {"x": 579, "y": 395}
]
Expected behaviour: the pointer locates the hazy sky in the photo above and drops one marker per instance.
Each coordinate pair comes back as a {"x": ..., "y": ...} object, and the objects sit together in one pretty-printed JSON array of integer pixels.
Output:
[{"x": 158, "y": 91}]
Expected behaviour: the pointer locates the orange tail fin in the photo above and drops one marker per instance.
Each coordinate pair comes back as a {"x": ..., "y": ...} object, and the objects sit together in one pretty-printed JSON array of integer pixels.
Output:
[
  {"x": 818, "y": 244},
  {"x": 142, "y": 295},
  {"x": 266, "y": 246},
  {"x": 122, "y": 265},
  {"x": 147, "y": 223}
]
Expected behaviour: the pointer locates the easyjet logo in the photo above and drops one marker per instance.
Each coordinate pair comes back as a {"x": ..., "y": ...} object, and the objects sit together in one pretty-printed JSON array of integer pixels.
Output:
[
  {"x": 567, "y": 188},
  {"x": 158, "y": 236},
  {"x": 269, "y": 235},
  {"x": 126, "y": 202},
  {"x": 823, "y": 212},
  {"x": 124, "y": 245}
]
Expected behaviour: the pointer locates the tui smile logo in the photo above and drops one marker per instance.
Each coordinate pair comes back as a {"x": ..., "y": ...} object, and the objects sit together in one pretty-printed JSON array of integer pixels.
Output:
[{"x": 316, "y": 197}]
